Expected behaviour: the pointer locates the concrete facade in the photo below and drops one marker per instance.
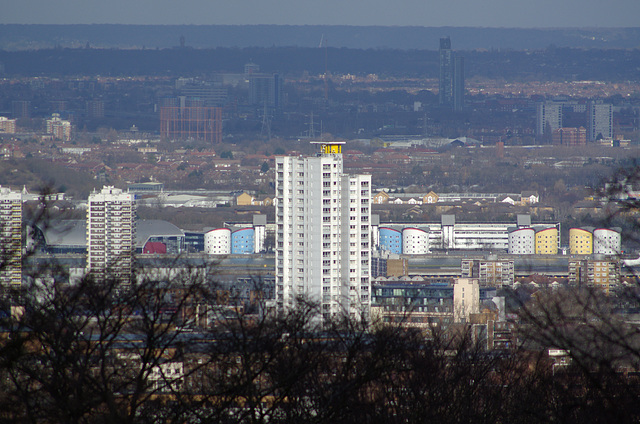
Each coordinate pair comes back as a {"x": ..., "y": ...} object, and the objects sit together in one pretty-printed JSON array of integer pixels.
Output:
[{"x": 323, "y": 233}]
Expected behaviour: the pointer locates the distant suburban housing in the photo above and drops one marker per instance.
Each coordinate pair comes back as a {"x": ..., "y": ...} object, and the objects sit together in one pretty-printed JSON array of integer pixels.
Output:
[
  {"x": 522, "y": 199},
  {"x": 245, "y": 199}
]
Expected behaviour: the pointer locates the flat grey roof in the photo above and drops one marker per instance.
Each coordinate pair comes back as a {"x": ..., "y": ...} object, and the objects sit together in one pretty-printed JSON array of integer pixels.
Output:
[
  {"x": 448, "y": 219},
  {"x": 73, "y": 232},
  {"x": 147, "y": 228},
  {"x": 68, "y": 232}
]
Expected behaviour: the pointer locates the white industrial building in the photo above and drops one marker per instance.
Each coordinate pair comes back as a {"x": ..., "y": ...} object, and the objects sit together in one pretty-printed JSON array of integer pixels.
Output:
[
  {"x": 522, "y": 241},
  {"x": 237, "y": 238},
  {"x": 416, "y": 240},
  {"x": 607, "y": 241},
  {"x": 425, "y": 237},
  {"x": 218, "y": 241},
  {"x": 323, "y": 233}
]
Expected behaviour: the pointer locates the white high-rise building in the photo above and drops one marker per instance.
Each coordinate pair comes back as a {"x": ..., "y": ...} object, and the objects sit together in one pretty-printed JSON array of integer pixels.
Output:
[
  {"x": 548, "y": 117},
  {"x": 323, "y": 231},
  {"x": 600, "y": 121},
  {"x": 111, "y": 233},
  {"x": 10, "y": 237}
]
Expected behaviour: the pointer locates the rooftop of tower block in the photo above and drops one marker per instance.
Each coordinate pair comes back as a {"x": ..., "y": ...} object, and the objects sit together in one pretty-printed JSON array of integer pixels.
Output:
[{"x": 330, "y": 147}]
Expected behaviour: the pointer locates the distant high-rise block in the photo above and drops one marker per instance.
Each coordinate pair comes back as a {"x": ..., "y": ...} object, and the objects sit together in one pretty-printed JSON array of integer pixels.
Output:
[
  {"x": 95, "y": 109},
  {"x": 58, "y": 106},
  {"x": 323, "y": 230},
  {"x": 451, "y": 86},
  {"x": 445, "y": 93},
  {"x": 209, "y": 94},
  {"x": 169, "y": 102},
  {"x": 60, "y": 128},
  {"x": 600, "y": 121},
  {"x": 111, "y": 233},
  {"x": 251, "y": 68},
  {"x": 548, "y": 118},
  {"x": 10, "y": 237},
  {"x": 265, "y": 90},
  {"x": 191, "y": 122},
  {"x": 21, "y": 108}
]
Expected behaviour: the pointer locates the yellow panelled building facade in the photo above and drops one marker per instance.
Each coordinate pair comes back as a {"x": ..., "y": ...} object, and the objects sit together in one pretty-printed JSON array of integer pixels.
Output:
[
  {"x": 547, "y": 241},
  {"x": 580, "y": 241}
]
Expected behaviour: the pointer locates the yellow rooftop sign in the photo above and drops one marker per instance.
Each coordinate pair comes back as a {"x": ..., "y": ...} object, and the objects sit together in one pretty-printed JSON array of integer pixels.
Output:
[{"x": 330, "y": 147}]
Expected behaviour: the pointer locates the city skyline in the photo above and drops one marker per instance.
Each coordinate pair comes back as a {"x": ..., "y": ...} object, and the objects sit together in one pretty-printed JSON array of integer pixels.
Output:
[{"x": 493, "y": 13}]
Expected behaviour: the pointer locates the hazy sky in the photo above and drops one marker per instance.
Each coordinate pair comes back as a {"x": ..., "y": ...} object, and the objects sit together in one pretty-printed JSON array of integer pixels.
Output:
[{"x": 478, "y": 13}]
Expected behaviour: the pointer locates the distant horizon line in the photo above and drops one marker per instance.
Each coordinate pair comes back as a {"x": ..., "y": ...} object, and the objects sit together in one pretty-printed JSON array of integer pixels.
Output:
[{"x": 329, "y": 25}]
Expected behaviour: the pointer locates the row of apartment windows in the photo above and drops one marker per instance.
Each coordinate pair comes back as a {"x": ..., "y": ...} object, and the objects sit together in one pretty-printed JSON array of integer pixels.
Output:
[{"x": 363, "y": 218}]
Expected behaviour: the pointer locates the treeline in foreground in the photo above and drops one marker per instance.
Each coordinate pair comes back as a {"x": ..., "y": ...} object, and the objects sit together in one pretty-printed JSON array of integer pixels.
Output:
[{"x": 179, "y": 349}]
